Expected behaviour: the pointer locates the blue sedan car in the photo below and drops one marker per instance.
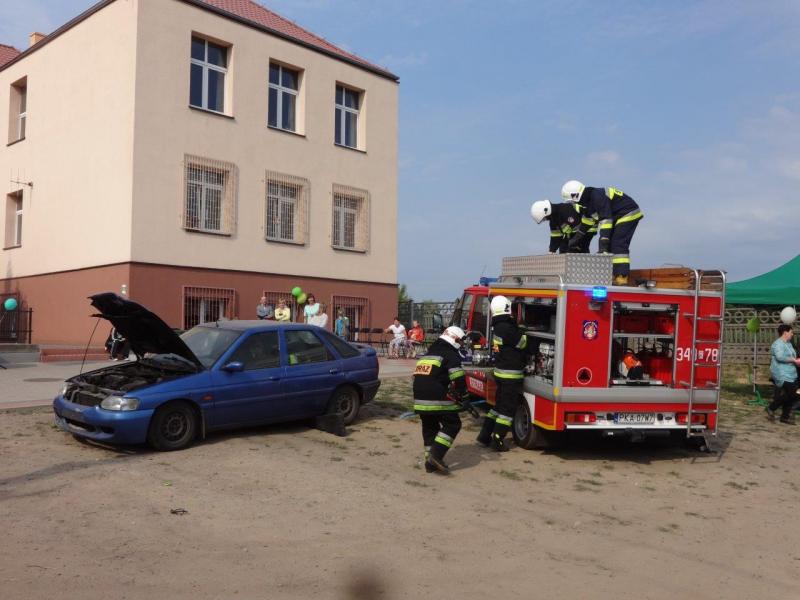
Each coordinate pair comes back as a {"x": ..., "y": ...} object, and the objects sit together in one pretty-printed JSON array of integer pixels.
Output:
[{"x": 219, "y": 375}]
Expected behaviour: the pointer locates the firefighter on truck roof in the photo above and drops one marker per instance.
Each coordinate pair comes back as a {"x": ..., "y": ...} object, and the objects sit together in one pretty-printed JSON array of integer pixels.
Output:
[
  {"x": 563, "y": 219},
  {"x": 435, "y": 372},
  {"x": 616, "y": 215},
  {"x": 509, "y": 344}
]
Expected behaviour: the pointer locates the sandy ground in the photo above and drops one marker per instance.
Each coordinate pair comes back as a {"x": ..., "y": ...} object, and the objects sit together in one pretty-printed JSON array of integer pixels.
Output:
[{"x": 292, "y": 512}]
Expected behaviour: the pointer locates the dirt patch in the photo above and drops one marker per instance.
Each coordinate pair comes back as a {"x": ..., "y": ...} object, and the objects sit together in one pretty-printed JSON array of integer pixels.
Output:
[{"x": 291, "y": 512}]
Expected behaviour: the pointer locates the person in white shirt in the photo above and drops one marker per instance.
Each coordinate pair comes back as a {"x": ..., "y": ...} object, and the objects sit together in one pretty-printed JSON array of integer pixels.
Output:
[
  {"x": 311, "y": 308},
  {"x": 398, "y": 340},
  {"x": 321, "y": 318}
]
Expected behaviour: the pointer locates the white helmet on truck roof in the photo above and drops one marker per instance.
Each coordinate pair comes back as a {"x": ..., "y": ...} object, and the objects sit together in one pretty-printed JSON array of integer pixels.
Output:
[
  {"x": 540, "y": 210},
  {"x": 572, "y": 191},
  {"x": 500, "y": 306},
  {"x": 453, "y": 335}
]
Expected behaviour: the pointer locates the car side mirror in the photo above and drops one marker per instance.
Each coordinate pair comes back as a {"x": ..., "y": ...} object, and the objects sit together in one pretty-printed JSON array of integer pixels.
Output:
[{"x": 233, "y": 367}]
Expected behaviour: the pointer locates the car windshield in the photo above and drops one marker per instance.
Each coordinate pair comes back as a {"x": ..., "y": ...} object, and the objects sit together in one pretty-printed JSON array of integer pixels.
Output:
[{"x": 209, "y": 343}]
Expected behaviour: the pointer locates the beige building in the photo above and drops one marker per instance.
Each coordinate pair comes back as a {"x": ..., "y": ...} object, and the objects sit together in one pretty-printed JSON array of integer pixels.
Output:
[{"x": 195, "y": 154}]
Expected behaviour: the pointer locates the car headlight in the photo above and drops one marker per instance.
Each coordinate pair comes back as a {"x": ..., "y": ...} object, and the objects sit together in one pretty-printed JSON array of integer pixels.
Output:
[
  {"x": 65, "y": 389},
  {"x": 119, "y": 403}
]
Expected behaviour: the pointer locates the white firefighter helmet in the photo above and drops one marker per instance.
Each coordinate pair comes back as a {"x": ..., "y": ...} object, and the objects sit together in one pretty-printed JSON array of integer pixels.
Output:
[
  {"x": 540, "y": 210},
  {"x": 572, "y": 191},
  {"x": 788, "y": 315},
  {"x": 500, "y": 306},
  {"x": 453, "y": 335}
]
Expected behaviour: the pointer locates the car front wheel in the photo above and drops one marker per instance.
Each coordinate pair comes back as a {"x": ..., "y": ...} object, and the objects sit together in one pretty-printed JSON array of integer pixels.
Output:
[
  {"x": 345, "y": 400},
  {"x": 173, "y": 427}
]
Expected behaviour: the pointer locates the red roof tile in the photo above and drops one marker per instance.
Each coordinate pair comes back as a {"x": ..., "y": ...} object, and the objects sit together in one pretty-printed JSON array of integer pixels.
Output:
[
  {"x": 255, "y": 13},
  {"x": 7, "y": 53}
]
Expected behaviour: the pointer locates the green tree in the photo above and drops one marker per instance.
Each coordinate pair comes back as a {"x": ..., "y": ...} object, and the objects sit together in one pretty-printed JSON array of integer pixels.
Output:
[{"x": 402, "y": 294}]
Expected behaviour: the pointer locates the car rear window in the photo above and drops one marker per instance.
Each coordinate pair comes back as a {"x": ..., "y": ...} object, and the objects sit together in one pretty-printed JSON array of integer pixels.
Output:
[{"x": 341, "y": 346}]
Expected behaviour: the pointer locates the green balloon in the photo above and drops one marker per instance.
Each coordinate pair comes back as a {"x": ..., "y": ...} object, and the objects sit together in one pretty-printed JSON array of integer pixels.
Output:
[
  {"x": 301, "y": 299},
  {"x": 753, "y": 325},
  {"x": 10, "y": 304},
  {"x": 296, "y": 291}
]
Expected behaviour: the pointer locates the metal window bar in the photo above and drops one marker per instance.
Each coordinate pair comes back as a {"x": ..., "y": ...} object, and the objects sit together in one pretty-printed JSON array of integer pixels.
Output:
[
  {"x": 356, "y": 309},
  {"x": 350, "y": 218},
  {"x": 206, "y": 305},
  {"x": 274, "y": 297},
  {"x": 286, "y": 208},
  {"x": 15, "y": 325},
  {"x": 210, "y": 191}
]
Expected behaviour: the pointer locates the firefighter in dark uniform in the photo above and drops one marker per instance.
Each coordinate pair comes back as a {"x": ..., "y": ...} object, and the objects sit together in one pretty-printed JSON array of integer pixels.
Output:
[
  {"x": 435, "y": 372},
  {"x": 564, "y": 220},
  {"x": 509, "y": 343},
  {"x": 616, "y": 215}
]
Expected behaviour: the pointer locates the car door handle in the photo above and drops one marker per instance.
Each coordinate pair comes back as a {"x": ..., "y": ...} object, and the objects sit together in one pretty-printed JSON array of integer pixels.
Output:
[{"x": 333, "y": 371}]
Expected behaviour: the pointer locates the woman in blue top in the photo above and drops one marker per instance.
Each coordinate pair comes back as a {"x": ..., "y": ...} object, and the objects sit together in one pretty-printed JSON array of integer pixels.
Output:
[{"x": 783, "y": 368}]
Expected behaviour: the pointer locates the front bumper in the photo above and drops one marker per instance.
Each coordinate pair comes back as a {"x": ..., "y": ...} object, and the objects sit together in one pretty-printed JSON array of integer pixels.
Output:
[
  {"x": 107, "y": 426},
  {"x": 370, "y": 389}
]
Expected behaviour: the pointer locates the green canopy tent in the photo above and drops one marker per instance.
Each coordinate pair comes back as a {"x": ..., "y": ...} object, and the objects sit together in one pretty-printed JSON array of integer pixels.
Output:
[{"x": 780, "y": 286}]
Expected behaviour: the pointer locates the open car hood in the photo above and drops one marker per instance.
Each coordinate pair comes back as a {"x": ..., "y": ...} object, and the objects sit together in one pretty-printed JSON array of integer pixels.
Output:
[{"x": 144, "y": 330}]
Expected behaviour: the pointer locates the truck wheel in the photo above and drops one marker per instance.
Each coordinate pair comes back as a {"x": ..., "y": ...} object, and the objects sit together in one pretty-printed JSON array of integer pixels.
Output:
[
  {"x": 173, "y": 427},
  {"x": 526, "y": 434}
]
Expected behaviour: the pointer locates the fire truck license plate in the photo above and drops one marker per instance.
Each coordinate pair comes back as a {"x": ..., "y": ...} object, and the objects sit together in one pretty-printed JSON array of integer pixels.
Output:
[{"x": 635, "y": 418}]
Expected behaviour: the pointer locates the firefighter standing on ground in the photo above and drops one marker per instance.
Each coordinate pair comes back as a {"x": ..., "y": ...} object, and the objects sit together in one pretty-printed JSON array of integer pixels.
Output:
[
  {"x": 616, "y": 215},
  {"x": 509, "y": 344},
  {"x": 564, "y": 220},
  {"x": 435, "y": 372}
]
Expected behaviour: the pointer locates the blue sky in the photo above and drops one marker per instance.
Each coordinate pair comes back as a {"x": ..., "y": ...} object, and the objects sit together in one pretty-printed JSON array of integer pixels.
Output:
[{"x": 692, "y": 108}]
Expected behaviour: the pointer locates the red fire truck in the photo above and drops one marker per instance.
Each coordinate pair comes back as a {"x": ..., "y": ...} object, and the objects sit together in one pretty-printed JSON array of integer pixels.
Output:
[{"x": 579, "y": 329}]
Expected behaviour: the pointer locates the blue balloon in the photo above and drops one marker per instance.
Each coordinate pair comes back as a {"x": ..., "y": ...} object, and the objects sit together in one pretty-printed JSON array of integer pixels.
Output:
[{"x": 10, "y": 304}]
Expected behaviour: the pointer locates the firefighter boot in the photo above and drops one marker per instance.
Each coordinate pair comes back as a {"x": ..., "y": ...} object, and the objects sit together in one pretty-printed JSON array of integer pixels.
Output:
[
  {"x": 621, "y": 280},
  {"x": 436, "y": 459},
  {"x": 429, "y": 468},
  {"x": 498, "y": 443},
  {"x": 485, "y": 436}
]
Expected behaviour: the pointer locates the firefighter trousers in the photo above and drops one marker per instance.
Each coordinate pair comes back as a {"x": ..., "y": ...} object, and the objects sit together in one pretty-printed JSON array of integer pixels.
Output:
[
  {"x": 499, "y": 419},
  {"x": 439, "y": 430},
  {"x": 620, "y": 247}
]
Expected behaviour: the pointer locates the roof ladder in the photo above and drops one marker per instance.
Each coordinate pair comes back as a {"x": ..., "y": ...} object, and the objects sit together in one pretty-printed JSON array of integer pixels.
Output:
[{"x": 713, "y": 279}]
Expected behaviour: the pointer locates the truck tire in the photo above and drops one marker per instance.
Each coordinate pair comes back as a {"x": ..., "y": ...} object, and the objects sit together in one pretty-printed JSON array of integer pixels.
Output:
[{"x": 526, "y": 434}]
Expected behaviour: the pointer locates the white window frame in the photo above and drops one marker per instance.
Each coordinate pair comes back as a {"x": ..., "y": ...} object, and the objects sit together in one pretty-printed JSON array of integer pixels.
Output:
[
  {"x": 207, "y": 177},
  {"x": 282, "y": 201},
  {"x": 345, "y": 110},
  {"x": 299, "y": 233},
  {"x": 206, "y": 188},
  {"x": 18, "y": 222},
  {"x": 207, "y": 66},
  {"x": 22, "y": 118},
  {"x": 280, "y": 90}
]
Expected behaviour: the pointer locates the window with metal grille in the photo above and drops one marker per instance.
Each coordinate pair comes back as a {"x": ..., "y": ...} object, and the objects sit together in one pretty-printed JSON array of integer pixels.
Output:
[
  {"x": 355, "y": 311},
  {"x": 283, "y": 86},
  {"x": 286, "y": 215},
  {"x": 206, "y": 305},
  {"x": 350, "y": 218},
  {"x": 209, "y": 66},
  {"x": 346, "y": 116},
  {"x": 210, "y": 195}
]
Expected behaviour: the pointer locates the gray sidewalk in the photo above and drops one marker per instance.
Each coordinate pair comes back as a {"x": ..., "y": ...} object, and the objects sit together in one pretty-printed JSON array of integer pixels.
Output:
[{"x": 36, "y": 384}]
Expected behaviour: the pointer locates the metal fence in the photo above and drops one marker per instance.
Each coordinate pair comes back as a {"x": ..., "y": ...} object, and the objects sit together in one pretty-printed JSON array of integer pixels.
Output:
[
  {"x": 738, "y": 342},
  {"x": 16, "y": 326},
  {"x": 431, "y": 315}
]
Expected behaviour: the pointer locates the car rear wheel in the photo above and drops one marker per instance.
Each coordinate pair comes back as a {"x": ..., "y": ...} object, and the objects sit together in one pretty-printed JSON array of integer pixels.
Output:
[
  {"x": 173, "y": 427},
  {"x": 345, "y": 400}
]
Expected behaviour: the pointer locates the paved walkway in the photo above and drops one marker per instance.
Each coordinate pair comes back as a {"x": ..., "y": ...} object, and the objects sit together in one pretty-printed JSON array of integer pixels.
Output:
[{"x": 36, "y": 384}]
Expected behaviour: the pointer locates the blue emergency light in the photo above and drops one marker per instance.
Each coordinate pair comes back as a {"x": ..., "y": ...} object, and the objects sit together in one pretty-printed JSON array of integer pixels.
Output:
[{"x": 599, "y": 293}]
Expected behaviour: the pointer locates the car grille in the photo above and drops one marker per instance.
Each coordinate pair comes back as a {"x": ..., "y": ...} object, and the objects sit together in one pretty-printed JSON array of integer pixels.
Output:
[{"x": 85, "y": 398}]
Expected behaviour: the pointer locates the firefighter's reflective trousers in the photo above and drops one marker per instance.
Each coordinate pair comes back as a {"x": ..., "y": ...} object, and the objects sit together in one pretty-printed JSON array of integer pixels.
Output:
[{"x": 439, "y": 430}]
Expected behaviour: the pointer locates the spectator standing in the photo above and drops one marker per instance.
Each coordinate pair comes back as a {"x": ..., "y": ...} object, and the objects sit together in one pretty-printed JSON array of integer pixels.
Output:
[
  {"x": 341, "y": 326},
  {"x": 264, "y": 310},
  {"x": 398, "y": 331},
  {"x": 283, "y": 313},
  {"x": 311, "y": 308},
  {"x": 321, "y": 318},
  {"x": 783, "y": 368}
]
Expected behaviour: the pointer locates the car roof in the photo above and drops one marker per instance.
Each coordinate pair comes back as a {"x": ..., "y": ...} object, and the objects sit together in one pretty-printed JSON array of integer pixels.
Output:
[{"x": 243, "y": 325}]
